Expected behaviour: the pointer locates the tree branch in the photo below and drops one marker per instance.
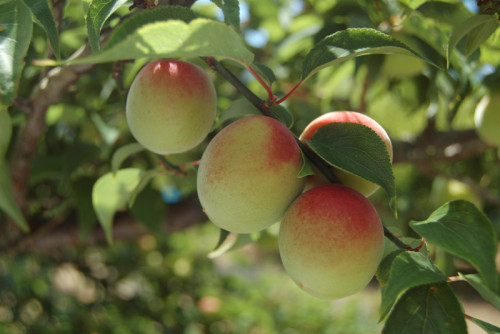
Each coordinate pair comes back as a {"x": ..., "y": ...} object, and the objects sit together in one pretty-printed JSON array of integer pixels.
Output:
[{"x": 182, "y": 215}]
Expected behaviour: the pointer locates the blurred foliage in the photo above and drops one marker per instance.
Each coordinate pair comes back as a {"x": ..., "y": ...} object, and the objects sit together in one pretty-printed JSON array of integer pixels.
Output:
[{"x": 160, "y": 283}]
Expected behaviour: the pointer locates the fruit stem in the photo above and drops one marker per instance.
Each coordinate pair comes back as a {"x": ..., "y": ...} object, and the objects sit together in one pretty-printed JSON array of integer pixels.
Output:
[
  {"x": 260, "y": 104},
  {"x": 171, "y": 167},
  {"x": 288, "y": 94},
  {"x": 395, "y": 240},
  {"x": 268, "y": 89}
]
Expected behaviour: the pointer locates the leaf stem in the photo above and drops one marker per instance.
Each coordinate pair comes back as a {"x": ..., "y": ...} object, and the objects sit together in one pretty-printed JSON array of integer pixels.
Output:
[
  {"x": 171, "y": 167},
  {"x": 260, "y": 104},
  {"x": 268, "y": 89},
  {"x": 395, "y": 240},
  {"x": 288, "y": 94}
]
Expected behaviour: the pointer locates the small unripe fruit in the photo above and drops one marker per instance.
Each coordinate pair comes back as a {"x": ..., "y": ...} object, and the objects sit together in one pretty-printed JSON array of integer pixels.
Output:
[
  {"x": 356, "y": 182},
  {"x": 487, "y": 119},
  {"x": 331, "y": 241},
  {"x": 247, "y": 176},
  {"x": 443, "y": 191},
  {"x": 171, "y": 106}
]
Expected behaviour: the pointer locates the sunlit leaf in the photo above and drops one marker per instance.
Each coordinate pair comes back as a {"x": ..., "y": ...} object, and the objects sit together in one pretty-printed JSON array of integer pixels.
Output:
[
  {"x": 479, "y": 35},
  {"x": 110, "y": 193},
  {"x": 174, "y": 38},
  {"x": 463, "y": 230},
  {"x": 99, "y": 11},
  {"x": 230, "y": 240},
  {"x": 123, "y": 153},
  {"x": 158, "y": 14},
  {"x": 467, "y": 27},
  {"x": 146, "y": 177},
  {"x": 350, "y": 43},
  {"x": 16, "y": 26}
]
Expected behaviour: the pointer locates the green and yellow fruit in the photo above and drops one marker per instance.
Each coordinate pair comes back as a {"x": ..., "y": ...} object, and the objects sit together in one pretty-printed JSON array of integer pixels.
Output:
[
  {"x": 171, "y": 106},
  {"x": 331, "y": 241},
  {"x": 247, "y": 176}
]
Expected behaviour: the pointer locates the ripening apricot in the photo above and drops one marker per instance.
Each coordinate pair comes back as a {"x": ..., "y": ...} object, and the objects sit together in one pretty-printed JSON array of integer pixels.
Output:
[
  {"x": 171, "y": 106},
  {"x": 331, "y": 241},
  {"x": 358, "y": 183},
  {"x": 247, "y": 176}
]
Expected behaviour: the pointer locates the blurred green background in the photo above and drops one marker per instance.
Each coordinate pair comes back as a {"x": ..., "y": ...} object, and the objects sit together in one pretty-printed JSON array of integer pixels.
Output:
[{"x": 165, "y": 282}]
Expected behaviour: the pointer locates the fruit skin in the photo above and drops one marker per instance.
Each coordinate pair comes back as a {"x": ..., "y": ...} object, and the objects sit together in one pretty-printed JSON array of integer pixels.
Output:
[
  {"x": 365, "y": 187},
  {"x": 247, "y": 175},
  {"x": 171, "y": 106},
  {"x": 487, "y": 119},
  {"x": 331, "y": 241}
]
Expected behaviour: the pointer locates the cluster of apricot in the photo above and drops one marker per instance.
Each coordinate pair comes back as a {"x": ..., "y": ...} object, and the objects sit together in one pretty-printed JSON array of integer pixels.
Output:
[{"x": 331, "y": 238}]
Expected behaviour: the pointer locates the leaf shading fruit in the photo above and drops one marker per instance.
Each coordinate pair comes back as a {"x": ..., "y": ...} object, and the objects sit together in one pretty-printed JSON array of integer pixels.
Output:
[
  {"x": 171, "y": 106},
  {"x": 247, "y": 175},
  {"x": 331, "y": 241},
  {"x": 358, "y": 183}
]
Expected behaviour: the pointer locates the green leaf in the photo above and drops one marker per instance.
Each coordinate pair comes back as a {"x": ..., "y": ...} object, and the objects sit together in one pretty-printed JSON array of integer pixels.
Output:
[
  {"x": 7, "y": 202},
  {"x": 123, "y": 153},
  {"x": 231, "y": 10},
  {"x": 429, "y": 309},
  {"x": 16, "y": 26},
  {"x": 413, "y": 4},
  {"x": 99, "y": 11},
  {"x": 143, "y": 18},
  {"x": 350, "y": 43},
  {"x": 230, "y": 240},
  {"x": 81, "y": 193},
  {"x": 143, "y": 182},
  {"x": 111, "y": 193},
  {"x": 43, "y": 15},
  {"x": 282, "y": 114},
  {"x": 489, "y": 328},
  {"x": 463, "y": 230},
  {"x": 5, "y": 130},
  {"x": 357, "y": 149},
  {"x": 479, "y": 35},
  {"x": 407, "y": 270},
  {"x": 477, "y": 283},
  {"x": 306, "y": 167},
  {"x": 265, "y": 72},
  {"x": 174, "y": 38},
  {"x": 467, "y": 27},
  {"x": 150, "y": 210}
]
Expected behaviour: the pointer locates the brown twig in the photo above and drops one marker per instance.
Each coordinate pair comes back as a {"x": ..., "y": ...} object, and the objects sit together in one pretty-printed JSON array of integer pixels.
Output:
[{"x": 182, "y": 215}]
